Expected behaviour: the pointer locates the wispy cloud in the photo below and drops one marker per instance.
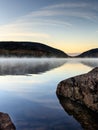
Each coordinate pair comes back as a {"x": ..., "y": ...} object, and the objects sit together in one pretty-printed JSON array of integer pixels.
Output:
[
  {"x": 69, "y": 9},
  {"x": 67, "y": 5},
  {"x": 26, "y": 35},
  {"x": 36, "y": 23},
  {"x": 30, "y": 20},
  {"x": 17, "y": 29}
]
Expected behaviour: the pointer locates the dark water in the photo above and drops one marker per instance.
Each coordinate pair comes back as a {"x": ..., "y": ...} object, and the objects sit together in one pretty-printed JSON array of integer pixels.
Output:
[{"x": 27, "y": 91}]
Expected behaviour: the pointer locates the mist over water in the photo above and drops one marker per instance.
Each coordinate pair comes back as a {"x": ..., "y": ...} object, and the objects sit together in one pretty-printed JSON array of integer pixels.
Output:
[
  {"x": 31, "y": 101},
  {"x": 23, "y": 66}
]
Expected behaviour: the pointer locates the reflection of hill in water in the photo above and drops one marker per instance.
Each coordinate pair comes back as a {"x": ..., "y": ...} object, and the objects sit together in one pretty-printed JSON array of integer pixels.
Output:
[
  {"x": 90, "y": 63},
  {"x": 22, "y": 66},
  {"x": 87, "y": 119}
]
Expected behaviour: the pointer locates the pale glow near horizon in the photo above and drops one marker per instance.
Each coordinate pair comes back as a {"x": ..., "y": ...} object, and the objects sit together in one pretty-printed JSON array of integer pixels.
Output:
[{"x": 66, "y": 25}]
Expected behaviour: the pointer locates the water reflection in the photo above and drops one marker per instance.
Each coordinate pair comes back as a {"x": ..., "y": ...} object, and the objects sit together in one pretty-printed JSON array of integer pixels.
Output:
[
  {"x": 34, "y": 96},
  {"x": 87, "y": 118},
  {"x": 22, "y": 66},
  {"x": 90, "y": 63}
]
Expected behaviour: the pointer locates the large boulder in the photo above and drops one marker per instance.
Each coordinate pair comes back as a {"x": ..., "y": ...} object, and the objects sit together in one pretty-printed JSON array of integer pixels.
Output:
[
  {"x": 5, "y": 122},
  {"x": 82, "y": 89}
]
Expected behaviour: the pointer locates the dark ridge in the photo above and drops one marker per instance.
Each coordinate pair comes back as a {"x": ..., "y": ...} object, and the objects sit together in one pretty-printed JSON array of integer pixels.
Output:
[
  {"x": 89, "y": 54},
  {"x": 29, "y": 49}
]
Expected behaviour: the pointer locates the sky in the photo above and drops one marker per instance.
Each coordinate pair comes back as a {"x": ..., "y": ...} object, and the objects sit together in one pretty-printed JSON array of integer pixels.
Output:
[{"x": 68, "y": 25}]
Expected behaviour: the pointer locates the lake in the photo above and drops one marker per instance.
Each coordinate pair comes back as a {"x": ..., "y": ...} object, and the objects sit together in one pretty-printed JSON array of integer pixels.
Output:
[{"x": 28, "y": 91}]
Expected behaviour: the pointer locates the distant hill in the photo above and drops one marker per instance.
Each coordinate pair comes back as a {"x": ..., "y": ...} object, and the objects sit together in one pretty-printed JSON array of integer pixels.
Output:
[
  {"x": 29, "y": 49},
  {"x": 89, "y": 54}
]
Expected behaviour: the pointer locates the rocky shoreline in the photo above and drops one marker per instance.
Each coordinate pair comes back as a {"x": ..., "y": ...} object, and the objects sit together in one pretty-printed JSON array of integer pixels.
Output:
[
  {"x": 5, "y": 122},
  {"x": 82, "y": 89}
]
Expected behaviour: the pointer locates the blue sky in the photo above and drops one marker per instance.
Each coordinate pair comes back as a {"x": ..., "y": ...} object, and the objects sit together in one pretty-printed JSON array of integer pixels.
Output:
[{"x": 69, "y": 25}]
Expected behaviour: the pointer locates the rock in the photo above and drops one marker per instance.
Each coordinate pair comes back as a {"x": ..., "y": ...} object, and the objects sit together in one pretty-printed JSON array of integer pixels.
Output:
[
  {"x": 82, "y": 89},
  {"x": 87, "y": 118},
  {"x": 5, "y": 122}
]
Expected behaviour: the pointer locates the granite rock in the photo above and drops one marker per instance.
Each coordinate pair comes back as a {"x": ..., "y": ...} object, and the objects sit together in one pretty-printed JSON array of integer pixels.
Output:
[
  {"x": 82, "y": 89},
  {"x": 5, "y": 122}
]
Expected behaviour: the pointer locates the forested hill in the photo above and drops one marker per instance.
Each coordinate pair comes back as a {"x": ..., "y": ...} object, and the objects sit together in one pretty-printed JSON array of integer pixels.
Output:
[
  {"x": 29, "y": 49},
  {"x": 93, "y": 53}
]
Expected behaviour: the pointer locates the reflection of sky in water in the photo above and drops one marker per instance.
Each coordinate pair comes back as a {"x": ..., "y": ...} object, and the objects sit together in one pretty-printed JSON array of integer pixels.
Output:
[{"x": 31, "y": 100}]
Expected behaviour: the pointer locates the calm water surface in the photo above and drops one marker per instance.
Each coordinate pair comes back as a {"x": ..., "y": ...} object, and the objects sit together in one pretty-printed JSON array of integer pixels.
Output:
[{"x": 27, "y": 91}]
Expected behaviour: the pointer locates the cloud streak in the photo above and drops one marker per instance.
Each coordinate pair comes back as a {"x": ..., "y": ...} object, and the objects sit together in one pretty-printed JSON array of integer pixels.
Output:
[
  {"x": 42, "y": 35},
  {"x": 61, "y": 15},
  {"x": 68, "y": 5},
  {"x": 17, "y": 29},
  {"x": 76, "y": 9}
]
